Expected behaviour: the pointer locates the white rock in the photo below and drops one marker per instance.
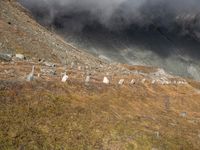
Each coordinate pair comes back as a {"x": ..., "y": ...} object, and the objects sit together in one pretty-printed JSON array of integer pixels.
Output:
[
  {"x": 105, "y": 80},
  {"x": 183, "y": 114},
  {"x": 143, "y": 81},
  {"x": 79, "y": 68},
  {"x": 30, "y": 77},
  {"x": 49, "y": 64},
  {"x": 87, "y": 79},
  {"x": 65, "y": 78},
  {"x": 153, "y": 82},
  {"x": 72, "y": 65},
  {"x": 167, "y": 82},
  {"x": 179, "y": 82},
  {"x": 19, "y": 56},
  {"x": 133, "y": 81},
  {"x": 121, "y": 82}
]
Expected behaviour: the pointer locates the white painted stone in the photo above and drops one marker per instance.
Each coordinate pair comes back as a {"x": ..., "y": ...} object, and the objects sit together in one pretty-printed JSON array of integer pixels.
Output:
[
  {"x": 105, "y": 80},
  {"x": 153, "y": 82},
  {"x": 87, "y": 79},
  {"x": 133, "y": 81},
  {"x": 30, "y": 77},
  {"x": 19, "y": 56},
  {"x": 49, "y": 64},
  {"x": 65, "y": 78},
  {"x": 72, "y": 65},
  {"x": 143, "y": 80},
  {"x": 121, "y": 82},
  {"x": 183, "y": 114},
  {"x": 79, "y": 68}
]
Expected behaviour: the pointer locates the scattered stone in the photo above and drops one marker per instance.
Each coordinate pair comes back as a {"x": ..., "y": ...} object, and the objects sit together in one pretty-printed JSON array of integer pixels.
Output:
[
  {"x": 72, "y": 65},
  {"x": 48, "y": 64},
  {"x": 153, "y": 82},
  {"x": 48, "y": 71},
  {"x": 157, "y": 134},
  {"x": 179, "y": 82},
  {"x": 65, "y": 78},
  {"x": 132, "y": 81},
  {"x": 30, "y": 77},
  {"x": 105, "y": 80},
  {"x": 121, "y": 82},
  {"x": 20, "y": 56},
  {"x": 79, "y": 68},
  {"x": 143, "y": 80},
  {"x": 87, "y": 79},
  {"x": 9, "y": 71},
  {"x": 5, "y": 57},
  {"x": 41, "y": 60},
  {"x": 161, "y": 72},
  {"x": 183, "y": 114}
]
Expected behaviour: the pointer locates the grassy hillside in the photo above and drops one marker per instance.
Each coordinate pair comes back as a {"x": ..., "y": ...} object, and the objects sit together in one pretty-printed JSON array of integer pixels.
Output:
[{"x": 48, "y": 114}]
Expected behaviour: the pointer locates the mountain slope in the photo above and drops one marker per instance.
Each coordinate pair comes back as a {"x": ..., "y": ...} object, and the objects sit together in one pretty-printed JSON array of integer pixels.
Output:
[
  {"x": 157, "y": 111},
  {"x": 20, "y": 33}
]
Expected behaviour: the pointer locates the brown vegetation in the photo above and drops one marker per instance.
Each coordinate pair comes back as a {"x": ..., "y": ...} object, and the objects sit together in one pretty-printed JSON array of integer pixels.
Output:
[{"x": 48, "y": 114}]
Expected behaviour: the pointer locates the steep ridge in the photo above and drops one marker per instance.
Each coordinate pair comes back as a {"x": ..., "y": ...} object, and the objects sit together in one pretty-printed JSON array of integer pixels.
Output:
[
  {"x": 20, "y": 33},
  {"x": 150, "y": 109},
  {"x": 159, "y": 33}
]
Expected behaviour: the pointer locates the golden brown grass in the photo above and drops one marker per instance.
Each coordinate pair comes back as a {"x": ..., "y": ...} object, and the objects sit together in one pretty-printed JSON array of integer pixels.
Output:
[{"x": 50, "y": 115}]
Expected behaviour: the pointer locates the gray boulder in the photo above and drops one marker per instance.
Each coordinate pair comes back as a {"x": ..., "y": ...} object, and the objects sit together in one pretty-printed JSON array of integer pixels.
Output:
[{"x": 5, "y": 57}]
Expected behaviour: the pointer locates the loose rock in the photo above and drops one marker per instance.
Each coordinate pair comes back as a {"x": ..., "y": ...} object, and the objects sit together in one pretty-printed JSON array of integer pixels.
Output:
[
  {"x": 105, "y": 80},
  {"x": 5, "y": 57},
  {"x": 20, "y": 56}
]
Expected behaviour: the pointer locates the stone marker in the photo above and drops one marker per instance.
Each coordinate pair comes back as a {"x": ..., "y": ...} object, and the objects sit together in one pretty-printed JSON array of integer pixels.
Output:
[
  {"x": 153, "y": 82},
  {"x": 72, "y": 65},
  {"x": 105, "y": 80},
  {"x": 65, "y": 78},
  {"x": 183, "y": 114},
  {"x": 143, "y": 80},
  {"x": 132, "y": 81},
  {"x": 48, "y": 64},
  {"x": 87, "y": 79},
  {"x": 79, "y": 68},
  {"x": 121, "y": 82},
  {"x": 20, "y": 56},
  {"x": 30, "y": 77}
]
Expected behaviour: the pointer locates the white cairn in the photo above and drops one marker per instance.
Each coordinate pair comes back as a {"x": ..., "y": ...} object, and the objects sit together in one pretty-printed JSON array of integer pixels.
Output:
[
  {"x": 105, "y": 80},
  {"x": 121, "y": 82},
  {"x": 30, "y": 77},
  {"x": 87, "y": 79},
  {"x": 65, "y": 78}
]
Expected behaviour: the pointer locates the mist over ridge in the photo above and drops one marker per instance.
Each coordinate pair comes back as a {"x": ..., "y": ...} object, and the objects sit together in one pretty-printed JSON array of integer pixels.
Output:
[{"x": 147, "y": 32}]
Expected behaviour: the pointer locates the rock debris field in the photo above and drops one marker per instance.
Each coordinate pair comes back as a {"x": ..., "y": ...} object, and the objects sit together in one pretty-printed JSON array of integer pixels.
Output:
[{"x": 18, "y": 67}]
